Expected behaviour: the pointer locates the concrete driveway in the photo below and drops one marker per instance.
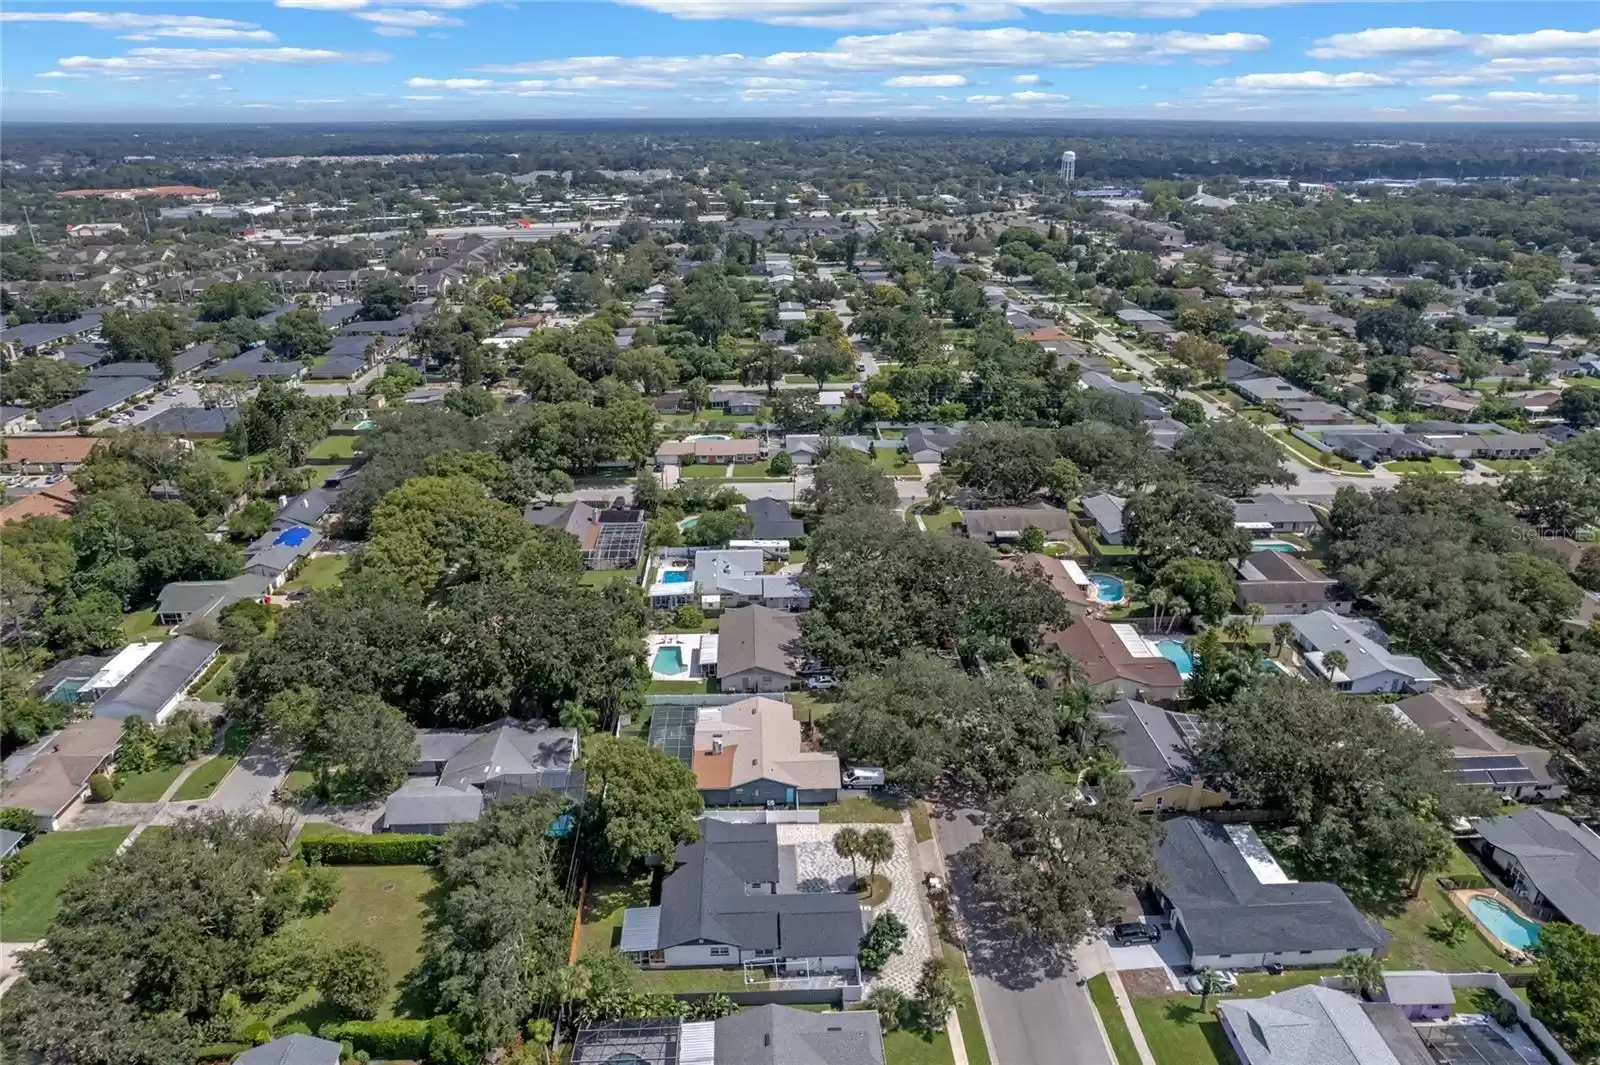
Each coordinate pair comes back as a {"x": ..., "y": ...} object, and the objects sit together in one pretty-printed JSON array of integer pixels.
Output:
[
  {"x": 248, "y": 788},
  {"x": 1033, "y": 1008}
]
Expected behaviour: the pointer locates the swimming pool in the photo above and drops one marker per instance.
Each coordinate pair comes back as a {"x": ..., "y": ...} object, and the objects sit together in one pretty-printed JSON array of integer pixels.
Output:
[
  {"x": 1280, "y": 546},
  {"x": 706, "y": 436},
  {"x": 676, "y": 576},
  {"x": 668, "y": 659},
  {"x": 1509, "y": 926},
  {"x": 690, "y": 522},
  {"x": 364, "y": 425},
  {"x": 1108, "y": 589},
  {"x": 1178, "y": 655},
  {"x": 66, "y": 691}
]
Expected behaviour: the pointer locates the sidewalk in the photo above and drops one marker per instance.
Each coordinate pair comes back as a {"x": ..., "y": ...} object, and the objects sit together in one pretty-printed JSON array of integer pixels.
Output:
[{"x": 1094, "y": 959}]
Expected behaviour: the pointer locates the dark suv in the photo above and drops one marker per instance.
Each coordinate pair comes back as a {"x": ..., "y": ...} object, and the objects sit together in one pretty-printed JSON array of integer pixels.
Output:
[{"x": 1134, "y": 932}]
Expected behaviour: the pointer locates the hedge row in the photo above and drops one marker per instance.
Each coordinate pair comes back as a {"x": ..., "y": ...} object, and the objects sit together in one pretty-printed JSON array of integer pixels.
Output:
[
  {"x": 397, "y": 1039},
  {"x": 221, "y": 1051},
  {"x": 383, "y": 849},
  {"x": 1463, "y": 882}
]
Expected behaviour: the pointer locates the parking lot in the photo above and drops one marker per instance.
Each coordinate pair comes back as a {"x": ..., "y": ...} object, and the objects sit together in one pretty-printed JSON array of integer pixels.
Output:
[{"x": 185, "y": 396}]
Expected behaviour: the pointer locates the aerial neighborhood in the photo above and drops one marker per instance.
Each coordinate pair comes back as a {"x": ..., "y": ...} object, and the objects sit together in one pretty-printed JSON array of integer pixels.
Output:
[{"x": 807, "y": 601}]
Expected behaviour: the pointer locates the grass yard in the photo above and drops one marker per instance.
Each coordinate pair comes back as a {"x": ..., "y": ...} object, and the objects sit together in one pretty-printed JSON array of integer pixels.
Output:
[
  {"x": 603, "y": 905},
  {"x": 943, "y": 521},
  {"x": 385, "y": 906},
  {"x": 1432, "y": 464},
  {"x": 833, "y": 379},
  {"x": 1105, "y": 1004},
  {"x": 204, "y": 780},
  {"x": 29, "y": 899},
  {"x": 1257, "y": 416},
  {"x": 891, "y": 434},
  {"x": 300, "y": 777},
  {"x": 921, "y": 823},
  {"x": 892, "y": 462},
  {"x": 599, "y": 578},
  {"x": 1306, "y": 453},
  {"x": 335, "y": 447},
  {"x": 678, "y": 981},
  {"x": 859, "y": 810},
  {"x": 219, "y": 683},
  {"x": 1416, "y": 942},
  {"x": 141, "y": 625},
  {"x": 808, "y": 706},
  {"x": 676, "y": 687},
  {"x": 1508, "y": 465},
  {"x": 148, "y": 786},
  {"x": 907, "y": 1046},
  {"x": 753, "y": 471},
  {"x": 966, "y": 1006},
  {"x": 1179, "y": 1034},
  {"x": 318, "y": 574},
  {"x": 703, "y": 471}
]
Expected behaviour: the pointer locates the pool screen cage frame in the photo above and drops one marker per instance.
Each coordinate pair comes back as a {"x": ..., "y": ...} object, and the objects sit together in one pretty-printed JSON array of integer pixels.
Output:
[
  {"x": 655, "y": 1041},
  {"x": 672, "y": 730}
]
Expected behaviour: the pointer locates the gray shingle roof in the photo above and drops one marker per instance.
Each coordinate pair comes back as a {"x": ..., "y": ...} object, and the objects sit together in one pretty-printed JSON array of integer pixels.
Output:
[
  {"x": 94, "y": 402},
  {"x": 191, "y": 421},
  {"x": 1560, "y": 858},
  {"x": 1153, "y": 751},
  {"x": 427, "y": 803},
  {"x": 772, "y": 520},
  {"x": 705, "y": 898},
  {"x": 161, "y": 676},
  {"x": 781, "y": 1035},
  {"x": 208, "y": 597},
  {"x": 292, "y": 1050},
  {"x": 757, "y": 637},
  {"x": 1324, "y": 631},
  {"x": 1105, "y": 510},
  {"x": 1226, "y": 910},
  {"x": 1310, "y": 1025}
]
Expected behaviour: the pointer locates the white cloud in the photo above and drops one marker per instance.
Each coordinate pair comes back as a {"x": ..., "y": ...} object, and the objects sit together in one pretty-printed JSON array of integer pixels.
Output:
[
  {"x": 181, "y": 60},
  {"x": 1571, "y": 79},
  {"x": 144, "y": 27},
  {"x": 926, "y": 81},
  {"x": 912, "y": 50},
  {"x": 1303, "y": 81},
  {"x": 1028, "y": 79},
  {"x": 1443, "y": 98},
  {"x": 1539, "y": 42},
  {"x": 318, "y": 102},
  {"x": 262, "y": 107},
  {"x": 213, "y": 77},
  {"x": 1464, "y": 80},
  {"x": 1030, "y": 97},
  {"x": 880, "y": 14},
  {"x": 1465, "y": 109},
  {"x": 43, "y": 92},
  {"x": 1393, "y": 41},
  {"x": 448, "y": 83},
  {"x": 401, "y": 23},
  {"x": 1543, "y": 64},
  {"x": 422, "y": 97},
  {"x": 58, "y": 74},
  {"x": 1531, "y": 97},
  {"x": 984, "y": 99},
  {"x": 356, "y": 5}
]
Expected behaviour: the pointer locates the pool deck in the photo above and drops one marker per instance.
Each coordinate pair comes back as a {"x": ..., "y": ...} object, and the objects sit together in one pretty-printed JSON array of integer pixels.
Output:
[
  {"x": 692, "y": 647},
  {"x": 1462, "y": 898}
]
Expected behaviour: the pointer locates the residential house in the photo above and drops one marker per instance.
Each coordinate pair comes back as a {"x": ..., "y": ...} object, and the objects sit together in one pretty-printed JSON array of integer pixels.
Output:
[
  {"x": 1370, "y": 667},
  {"x": 1311, "y": 1025},
  {"x": 10, "y": 842},
  {"x": 928, "y": 444},
  {"x": 806, "y": 448},
  {"x": 14, "y": 419},
  {"x": 1548, "y": 861},
  {"x": 731, "y": 899},
  {"x": 1234, "y": 907},
  {"x": 292, "y": 1049},
  {"x": 99, "y": 400},
  {"x": 1118, "y": 661},
  {"x": 758, "y": 650},
  {"x": 751, "y": 753},
  {"x": 182, "y": 601},
  {"x": 1312, "y": 412},
  {"x": 1491, "y": 445},
  {"x": 29, "y": 339},
  {"x": 709, "y": 452},
  {"x": 731, "y": 401},
  {"x": 1279, "y": 583},
  {"x": 1146, "y": 322},
  {"x": 607, "y": 539},
  {"x": 1096, "y": 381},
  {"x": 279, "y": 550},
  {"x": 1105, "y": 512},
  {"x": 729, "y": 578},
  {"x": 1374, "y": 446},
  {"x": 56, "y": 501},
  {"x": 1240, "y": 370},
  {"x": 1005, "y": 524},
  {"x": 53, "y": 780},
  {"x": 773, "y": 521},
  {"x": 46, "y": 454},
  {"x": 1268, "y": 391},
  {"x": 158, "y": 683},
  {"x": 192, "y": 422},
  {"x": 1153, "y": 746},
  {"x": 1064, "y": 575},
  {"x": 1482, "y": 758},
  {"x": 1274, "y": 514},
  {"x": 310, "y": 508},
  {"x": 1420, "y": 995},
  {"x": 761, "y": 1035},
  {"x": 457, "y": 772}
]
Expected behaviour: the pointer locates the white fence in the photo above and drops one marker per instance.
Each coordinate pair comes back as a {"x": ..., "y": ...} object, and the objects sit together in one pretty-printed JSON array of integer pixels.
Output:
[
  {"x": 767, "y": 817},
  {"x": 1493, "y": 981}
]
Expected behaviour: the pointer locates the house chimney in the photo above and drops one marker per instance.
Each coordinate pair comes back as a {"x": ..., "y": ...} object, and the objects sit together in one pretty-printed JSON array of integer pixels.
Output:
[{"x": 716, "y": 745}]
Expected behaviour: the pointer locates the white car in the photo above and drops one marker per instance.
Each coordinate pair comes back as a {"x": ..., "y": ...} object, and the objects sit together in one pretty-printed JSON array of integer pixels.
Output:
[
  {"x": 819, "y": 683},
  {"x": 1225, "y": 981}
]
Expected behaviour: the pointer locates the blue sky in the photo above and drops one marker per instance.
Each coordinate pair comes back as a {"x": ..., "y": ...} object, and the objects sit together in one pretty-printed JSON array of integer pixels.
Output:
[{"x": 305, "y": 60}]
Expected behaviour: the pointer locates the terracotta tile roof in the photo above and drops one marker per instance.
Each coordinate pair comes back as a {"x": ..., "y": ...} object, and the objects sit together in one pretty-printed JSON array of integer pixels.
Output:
[
  {"x": 56, "y": 501},
  {"x": 23, "y": 450}
]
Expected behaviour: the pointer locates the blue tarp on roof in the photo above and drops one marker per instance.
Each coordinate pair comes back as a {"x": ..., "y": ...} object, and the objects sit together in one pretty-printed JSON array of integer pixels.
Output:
[{"x": 292, "y": 537}]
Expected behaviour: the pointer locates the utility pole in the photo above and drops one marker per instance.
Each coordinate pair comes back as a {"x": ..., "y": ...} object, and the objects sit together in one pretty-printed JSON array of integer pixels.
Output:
[{"x": 25, "y": 221}]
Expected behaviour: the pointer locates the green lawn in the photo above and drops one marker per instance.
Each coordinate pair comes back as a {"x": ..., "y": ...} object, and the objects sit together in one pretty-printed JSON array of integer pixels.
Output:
[
  {"x": 1508, "y": 465},
  {"x": 907, "y": 1046},
  {"x": 603, "y": 905},
  {"x": 861, "y": 811},
  {"x": 204, "y": 780},
  {"x": 599, "y": 578},
  {"x": 945, "y": 519},
  {"x": 703, "y": 471},
  {"x": 676, "y": 687},
  {"x": 335, "y": 447},
  {"x": 29, "y": 900},
  {"x": 318, "y": 574},
  {"x": 1416, "y": 943},
  {"x": 966, "y": 1007},
  {"x": 217, "y": 685},
  {"x": 833, "y": 379},
  {"x": 808, "y": 706},
  {"x": 141, "y": 625},
  {"x": 1432, "y": 464},
  {"x": 385, "y": 906},
  {"x": 1179, "y": 1034},
  {"x": 678, "y": 981},
  {"x": 921, "y": 822},
  {"x": 1105, "y": 1004},
  {"x": 148, "y": 786},
  {"x": 891, "y": 434},
  {"x": 892, "y": 462},
  {"x": 1257, "y": 416},
  {"x": 1307, "y": 453}
]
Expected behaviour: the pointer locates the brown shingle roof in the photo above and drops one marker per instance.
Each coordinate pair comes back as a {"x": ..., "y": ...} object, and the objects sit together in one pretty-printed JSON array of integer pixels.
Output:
[
  {"x": 54, "y": 502},
  {"x": 24, "y": 450}
]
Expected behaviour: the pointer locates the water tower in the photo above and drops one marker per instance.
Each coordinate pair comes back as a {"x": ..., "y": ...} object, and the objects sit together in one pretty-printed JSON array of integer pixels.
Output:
[{"x": 1069, "y": 166}]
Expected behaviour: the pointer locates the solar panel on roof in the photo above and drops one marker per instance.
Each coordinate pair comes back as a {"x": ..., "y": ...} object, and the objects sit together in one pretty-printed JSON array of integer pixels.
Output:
[
  {"x": 1489, "y": 761},
  {"x": 1475, "y": 776},
  {"x": 1514, "y": 776}
]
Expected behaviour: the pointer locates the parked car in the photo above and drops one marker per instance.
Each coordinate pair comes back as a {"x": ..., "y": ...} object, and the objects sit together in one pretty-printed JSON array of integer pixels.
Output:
[
  {"x": 1129, "y": 932},
  {"x": 141, "y": 406},
  {"x": 1468, "y": 464},
  {"x": 822, "y": 682},
  {"x": 864, "y": 776},
  {"x": 1225, "y": 981}
]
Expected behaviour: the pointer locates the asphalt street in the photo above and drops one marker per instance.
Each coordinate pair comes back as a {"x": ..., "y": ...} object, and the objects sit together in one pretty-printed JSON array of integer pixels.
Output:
[{"x": 1032, "y": 1006}]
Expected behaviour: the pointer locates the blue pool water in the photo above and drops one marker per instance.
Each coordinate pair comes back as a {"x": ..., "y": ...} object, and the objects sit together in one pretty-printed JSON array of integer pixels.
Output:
[
  {"x": 1178, "y": 655},
  {"x": 1107, "y": 589},
  {"x": 292, "y": 537},
  {"x": 66, "y": 691},
  {"x": 1513, "y": 929},
  {"x": 364, "y": 425},
  {"x": 668, "y": 659},
  {"x": 1274, "y": 545},
  {"x": 676, "y": 576},
  {"x": 689, "y": 522}
]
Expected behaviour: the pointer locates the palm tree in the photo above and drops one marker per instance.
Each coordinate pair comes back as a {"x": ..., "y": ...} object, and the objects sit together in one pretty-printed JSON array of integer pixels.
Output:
[
  {"x": 1255, "y": 613},
  {"x": 847, "y": 844},
  {"x": 1177, "y": 607},
  {"x": 575, "y": 715},
  {"x": 1238, "y": 629},
  {"x": 1159, "y": 599},
  {"x": 1282, "y": 633},
  {"x": 1334, "y": 662},
  {"x": 1365, "y": 972},
  {"x": 940, "y": 487},
  {"x": 877, "y": 846},
  {"x": 1210, "y": 984}
]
